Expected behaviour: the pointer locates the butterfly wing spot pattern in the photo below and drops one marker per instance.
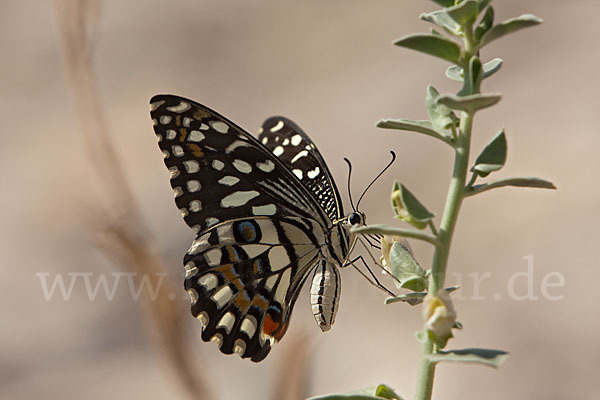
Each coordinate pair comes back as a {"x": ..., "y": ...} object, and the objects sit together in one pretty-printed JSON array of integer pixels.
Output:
[{"x": 266, "y": 212}]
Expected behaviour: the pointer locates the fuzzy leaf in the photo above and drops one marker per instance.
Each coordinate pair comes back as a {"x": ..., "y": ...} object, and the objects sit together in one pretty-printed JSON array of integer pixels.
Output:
[
  {"x": 424, "y": 127},
  {"x": 469, "y": 103},
  {"x": 490, "y": 67},
  {"x": 455, "y": 73},
  {"x": 433, "y": 45},
  {"x": 509, "y": 26},
  {"x": 492, "y": 157},
  {"x": 407, "y": 208},
  {"x": 443, "y": 20},
  {"x": 464, "y": 13},
  {"x": 442, "y": 118},
  {"x": 404, "y": 267},
  {"x": 492, "y": 358},
  {"x": 486, "y": 23}
]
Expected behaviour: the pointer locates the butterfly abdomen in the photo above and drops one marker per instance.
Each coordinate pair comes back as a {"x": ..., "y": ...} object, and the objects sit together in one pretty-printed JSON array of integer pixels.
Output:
[{"x": 324, "y": 294}]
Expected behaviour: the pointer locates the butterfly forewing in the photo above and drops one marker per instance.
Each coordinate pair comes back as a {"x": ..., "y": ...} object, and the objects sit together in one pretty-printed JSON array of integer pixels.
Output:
[
  {"x": 260, "y": 230},
  {"x": 297, "y": 151}
]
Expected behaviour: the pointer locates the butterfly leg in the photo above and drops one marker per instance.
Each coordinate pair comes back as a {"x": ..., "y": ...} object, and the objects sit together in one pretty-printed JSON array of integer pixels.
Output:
[{"x": 375, "y": 282}]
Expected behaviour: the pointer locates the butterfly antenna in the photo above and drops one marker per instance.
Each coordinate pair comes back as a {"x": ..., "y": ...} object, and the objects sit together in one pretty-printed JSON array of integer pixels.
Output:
[
  {"x": 377, "y": 177},
  {"x": 349, "y": 175}
]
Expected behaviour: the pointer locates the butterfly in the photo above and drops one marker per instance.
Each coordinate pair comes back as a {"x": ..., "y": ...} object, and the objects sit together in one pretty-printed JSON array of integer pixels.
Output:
[{"x": 267, "y": 214}]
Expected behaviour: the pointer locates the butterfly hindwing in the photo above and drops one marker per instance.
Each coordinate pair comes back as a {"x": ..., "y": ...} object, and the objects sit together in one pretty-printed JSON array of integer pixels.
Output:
[
  {"x": 243, "y": 277},
  {"x": 298, "y": 152}
]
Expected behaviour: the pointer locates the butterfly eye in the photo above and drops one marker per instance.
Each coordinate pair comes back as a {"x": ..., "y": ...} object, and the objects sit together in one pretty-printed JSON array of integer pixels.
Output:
[{"x": 354, "y": 218}]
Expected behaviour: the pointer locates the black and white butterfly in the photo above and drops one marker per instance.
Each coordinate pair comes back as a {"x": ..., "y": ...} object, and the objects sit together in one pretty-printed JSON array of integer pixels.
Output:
[{"x": 267, "y": 213}]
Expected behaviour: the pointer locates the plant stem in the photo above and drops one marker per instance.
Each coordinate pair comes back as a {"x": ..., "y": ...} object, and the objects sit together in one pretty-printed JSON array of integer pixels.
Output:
[{"x": 454, "y": 200}]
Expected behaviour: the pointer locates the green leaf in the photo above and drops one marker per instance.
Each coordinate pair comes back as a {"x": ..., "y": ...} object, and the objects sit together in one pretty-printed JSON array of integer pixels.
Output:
[
  {"x": 518, "y": 182},
  {"x": 469, "y": 103},
  {"x": 492, "y": 157},
  {"x": 483, "y": 4},
  {"x": 444, "y": 3},
  {"x": 486, "y": 23},
  {"x": 442, "y": 118},
  {"x": 404, "y": 267},
  {"x": 424, "y": 127},
  {"x": 509, "y": 26},
  {"x": 443, "y": 20},
  {"x": 407, "y": 208},
  {"x": 378, "y": 392},
  {"x": 490, "y": 67},
  {"x": 464, "y": 13},
  {"x": 492, "y": 358},
  {"x": 455, "y": 73},
  {"x": 433, "y": 45}
]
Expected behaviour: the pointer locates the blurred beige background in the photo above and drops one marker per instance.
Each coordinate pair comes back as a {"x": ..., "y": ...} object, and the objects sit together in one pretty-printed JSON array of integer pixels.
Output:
[{"x": 330, "y": 66}]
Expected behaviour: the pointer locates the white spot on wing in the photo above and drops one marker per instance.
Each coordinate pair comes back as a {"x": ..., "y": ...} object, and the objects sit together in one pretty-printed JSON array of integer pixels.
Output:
[
  {"x": 177, "y": 150},
  {"x": 187, "y": 121},
  {"x": 177, "y": 191},
  {"x": 313, "y": 174},
  {"x": 195, "y": 136},
  {"x": 190, "y": 269},
  {"x": 171, "y": 134},
  {"x": 268, "y": 209},
  {"x": 265, "y": 139},
  {"x": 235, "y": 145},
  {"x": 218, "y": 165},
  {"x": 174, "y": 172},
  {"x": 249, "y": 326},
  {"x": 208, "y": 281},
  {"x": 278, "y": 151},
  {"x": 242, "y": 166},
  {"x": 227, "y": 322},
  {"x": 286, "y": 142},
  {"x": 195, "y": 205},
  {"x": 220, "y": 126},
  {"x": 213, "y": 257},
  {"x": 165, "y": 119},
  {"x": 277, "y": 127},
  {"x": 267, "y": 166},
  {"x": 191, "y": 166},
  {"x": 222, "y": 296},
  {"x": 237, "y": 199},
  {"x": 181, "y": 107},
  {"x": 298, "y": 156},
  {"x": 193, "y": 186},
  {"x": 298, "y": 173},
  {"x": 211, "y": 221},
  {"x": 156, "y": 104},
  {"x": 229, "y": 180},
  {"x": 193, "y": 296},
  {"x": 296, "y": 139},
  {"x": 239, "y": 347}
]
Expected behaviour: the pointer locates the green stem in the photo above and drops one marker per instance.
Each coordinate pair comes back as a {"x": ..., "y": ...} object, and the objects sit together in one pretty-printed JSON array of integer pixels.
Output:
[{"x": 426, "y": 373}]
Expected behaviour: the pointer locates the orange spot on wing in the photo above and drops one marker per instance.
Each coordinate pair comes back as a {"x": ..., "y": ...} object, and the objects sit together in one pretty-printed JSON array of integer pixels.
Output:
[
  {"x": 274, "y": 329},
  {"x": 195, "y": 150},
  {"x": 178, "y": 120},
  {"x": 182, "y": 134}
]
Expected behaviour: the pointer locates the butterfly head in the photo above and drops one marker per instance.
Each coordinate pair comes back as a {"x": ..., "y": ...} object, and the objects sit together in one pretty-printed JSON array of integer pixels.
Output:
[{"x": 356, "y": 218}]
